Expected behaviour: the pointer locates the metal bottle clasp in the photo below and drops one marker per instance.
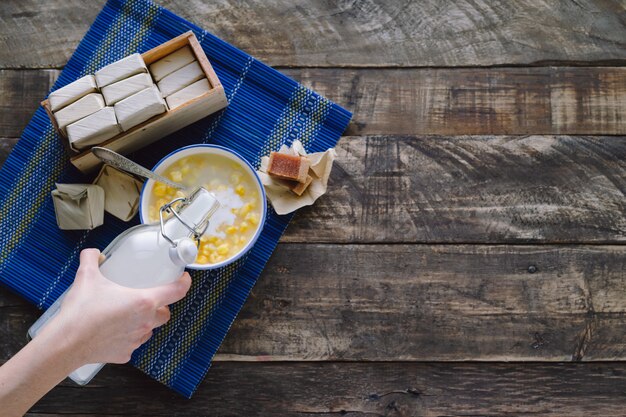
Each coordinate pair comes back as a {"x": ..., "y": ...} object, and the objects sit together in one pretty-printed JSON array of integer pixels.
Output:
[{"x": 194, "y": 231}]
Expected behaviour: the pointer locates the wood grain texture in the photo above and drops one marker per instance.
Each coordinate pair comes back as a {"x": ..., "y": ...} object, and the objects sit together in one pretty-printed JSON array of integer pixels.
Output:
[
  {"x": 6, "y": 145},
  {"x": 462, "y": 101},
  {"x": 423, "y": 101},
  {"x": 350, "y": 32},
  {"x": 355, "y": 390},
  {"x": 482, "y": 189},
  {"x": 21, "y": 93},
  {"x": 419, "y": 303}
]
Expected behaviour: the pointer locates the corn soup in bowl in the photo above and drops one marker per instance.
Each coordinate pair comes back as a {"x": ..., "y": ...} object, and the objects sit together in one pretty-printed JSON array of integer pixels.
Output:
[{"x": 235, "y": 226}]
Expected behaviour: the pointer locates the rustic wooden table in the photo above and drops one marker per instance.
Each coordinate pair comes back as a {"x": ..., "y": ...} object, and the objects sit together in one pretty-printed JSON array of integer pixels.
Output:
[{"x": 469, "y": 258}]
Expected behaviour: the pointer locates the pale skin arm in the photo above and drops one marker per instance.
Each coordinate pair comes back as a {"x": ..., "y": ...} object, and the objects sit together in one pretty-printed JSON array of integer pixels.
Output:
[{"x": 115, "y": 321}]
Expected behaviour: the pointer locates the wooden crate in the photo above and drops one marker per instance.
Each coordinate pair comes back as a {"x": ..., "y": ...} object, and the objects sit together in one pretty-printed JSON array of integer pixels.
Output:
[{"x": 163, "y": 124}]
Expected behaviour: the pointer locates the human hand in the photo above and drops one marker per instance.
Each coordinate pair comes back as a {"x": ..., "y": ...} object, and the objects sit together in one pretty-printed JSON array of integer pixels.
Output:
[{"x": 105, "y": 322}]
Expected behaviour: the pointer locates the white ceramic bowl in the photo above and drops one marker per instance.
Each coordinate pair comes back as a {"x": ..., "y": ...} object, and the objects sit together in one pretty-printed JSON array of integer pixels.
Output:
[{"x": 176, "y": 155}]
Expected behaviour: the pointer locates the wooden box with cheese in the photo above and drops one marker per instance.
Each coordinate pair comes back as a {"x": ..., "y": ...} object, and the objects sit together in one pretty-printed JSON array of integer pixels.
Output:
[{"x": 135, "y": 101}]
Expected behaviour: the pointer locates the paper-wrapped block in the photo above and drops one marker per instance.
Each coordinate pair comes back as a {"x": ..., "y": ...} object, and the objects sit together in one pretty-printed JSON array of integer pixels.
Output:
[
  {"x": 172, "y": 62},
  {"x": 72, "y": 92},
  {"x": 78, "y": 206},
  {"x": 139, "y": 107},
  {"x": 288, "y": 167},
  {"x": 279, "y": 191},
  {"x": 180, "y": 79},
  {"x": 87, "y": 105},
  {"x": 127, "y": 87},
  {"x": 118, "y": 70},
  {"x": 121, "y": 192},
  {"x": 188, "y": 93},
  {"x": 93, "y": 129}
]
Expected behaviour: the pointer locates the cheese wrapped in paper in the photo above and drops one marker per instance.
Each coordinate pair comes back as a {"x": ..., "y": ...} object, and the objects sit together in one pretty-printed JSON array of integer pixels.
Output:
[
  {"x": 188, "y": 93},
  {"x": 72, "y": 92},
  {"x": 180, "y": 79},
  {"x": 172, "y": 62},
  {"x": 281, "y": 194},
  {"x": 120, "y": 90},
  {"x": 87, "y": 105},
  {"x": 78, "y": 206},
  {"x": 93, "y": 129},
  {"x": 121, "y": 192},
  {"x": 118, "y": 70},
  {"x": 139, "y": 107}
]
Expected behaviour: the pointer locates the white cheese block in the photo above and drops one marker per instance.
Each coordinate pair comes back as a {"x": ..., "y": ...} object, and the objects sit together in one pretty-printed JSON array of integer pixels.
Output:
[
  {"x": 120, "y": 90},
  {"x": 188, "y": 93},
  {"x": 124, "y": 68},
  {"x": 172, "y": 62},
  {"x": 180, "y": 79},
  {"x": 139, "y": 107},
  {"x": 83, "y": 107},
  {"x": 93, "y": 129},
  {"x": 72, "y": 92}
]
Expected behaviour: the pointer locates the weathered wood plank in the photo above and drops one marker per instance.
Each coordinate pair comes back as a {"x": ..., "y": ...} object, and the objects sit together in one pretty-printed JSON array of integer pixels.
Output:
[
  {"x": 381, "y": 302},
  {"x": 420, "y": 303},
  {"x": 423, "y": 101},
  {"x": 355, "y": 390},
  {"x": 21, "y": 93},
  {"x": 476, "y": 100},
  {"x": 350, "y": 33},
  {"x": 6, "y": 145},
  {"x": 471, "y": 189}
]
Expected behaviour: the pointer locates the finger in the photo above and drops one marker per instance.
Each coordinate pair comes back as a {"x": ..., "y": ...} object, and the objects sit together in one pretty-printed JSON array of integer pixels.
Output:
[
  {"x": 89, "y": 257},
  {"x": 170, "y": 293},
  {"x": 145, "y": 338},
  {"x": 162, "y": 316}
]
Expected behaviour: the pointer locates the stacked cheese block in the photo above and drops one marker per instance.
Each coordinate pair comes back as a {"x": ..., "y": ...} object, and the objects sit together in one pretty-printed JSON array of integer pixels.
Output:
[
  {"x": 122, "y": 95},
  {"x": 179, "y": 77}
]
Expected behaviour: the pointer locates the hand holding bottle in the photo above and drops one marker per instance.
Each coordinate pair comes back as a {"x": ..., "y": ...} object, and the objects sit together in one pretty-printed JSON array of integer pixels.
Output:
[
  {"x": 99, "y": 321},
  {"x": 105, "y": 321}
]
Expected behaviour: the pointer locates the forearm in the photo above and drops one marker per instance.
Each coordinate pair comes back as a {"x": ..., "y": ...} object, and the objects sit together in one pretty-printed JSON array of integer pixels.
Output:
[{"x": 33, "y": 371}]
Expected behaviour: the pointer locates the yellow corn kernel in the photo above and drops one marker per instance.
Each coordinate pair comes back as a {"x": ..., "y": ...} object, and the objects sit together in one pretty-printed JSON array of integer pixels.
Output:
[
  {"x": 252, "y": 218},
  {"x": 222, "y": 249},
  {"x": 243, "y": 240},
  {"x": 244, "y": 226},
  {"x": 180, "y": 194},
  {"x": 176, "y": 176},
  {"x": 212, "y": 239},
  {"x": 202, "y": 259},
  {"x": 244, "y": 209},
  {"x": 160, "y": 190},
  {"x": 161, "y": 202},
  {"x": 185, "y": 169},
  {"x": 252, "y": 203},
  {"x": 213, "y": 258},
  {"x": 231, "y": 230},
  {"x": 204, "y": 239},
  {"x": 240, "y": 190},
  {"x": 206, "y": 251}
]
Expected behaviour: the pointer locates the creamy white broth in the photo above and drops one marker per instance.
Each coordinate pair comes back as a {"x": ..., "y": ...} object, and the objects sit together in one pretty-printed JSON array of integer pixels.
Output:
[{"x": 235, "y": 222}]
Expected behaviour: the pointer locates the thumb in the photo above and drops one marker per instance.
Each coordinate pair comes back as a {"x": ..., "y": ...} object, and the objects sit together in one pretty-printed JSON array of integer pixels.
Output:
[
  {"x": 89, "y": 258},
  {"x": 170, "y": 293}
]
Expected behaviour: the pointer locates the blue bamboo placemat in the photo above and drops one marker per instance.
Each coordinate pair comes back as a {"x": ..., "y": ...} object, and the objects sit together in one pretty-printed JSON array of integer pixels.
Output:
[{"x": 266, "y": 109}]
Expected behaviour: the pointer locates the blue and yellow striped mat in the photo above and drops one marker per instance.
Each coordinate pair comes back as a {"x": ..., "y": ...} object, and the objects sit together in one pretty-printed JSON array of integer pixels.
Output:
[{"x": 266, "y": 109}]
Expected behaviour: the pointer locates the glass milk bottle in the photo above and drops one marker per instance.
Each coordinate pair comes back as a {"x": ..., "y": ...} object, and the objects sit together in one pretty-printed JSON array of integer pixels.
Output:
[{"x": 148, "y": 255}]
